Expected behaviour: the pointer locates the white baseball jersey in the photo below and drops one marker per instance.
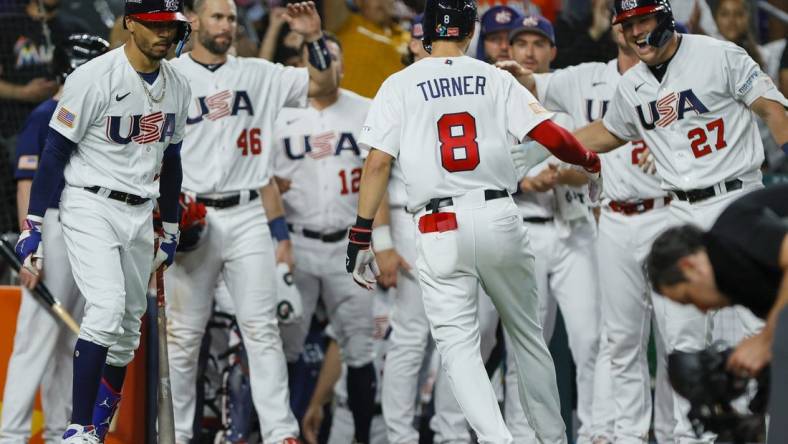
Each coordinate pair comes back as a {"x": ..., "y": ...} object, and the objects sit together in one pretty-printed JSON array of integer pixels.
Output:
[
  {"x": 585, "y": 91},
  {"x": 697, "y": 121},
  {"x": 448, "y": 121},
  {"x": 231, "y": 117},
  {"x": 121, "y": 134},
  {"x": 317, "y": 151}
]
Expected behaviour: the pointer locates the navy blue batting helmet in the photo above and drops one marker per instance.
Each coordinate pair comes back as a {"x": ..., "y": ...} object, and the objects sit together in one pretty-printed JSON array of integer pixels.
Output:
[
  {"x": 447, "y": 20},
  {"x": 76, "y": 50},
  {"x": 666, "y": 26}
]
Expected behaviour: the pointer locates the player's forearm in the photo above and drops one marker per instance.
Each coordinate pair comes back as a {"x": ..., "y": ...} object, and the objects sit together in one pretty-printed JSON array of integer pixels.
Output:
[
  {"x": 57, "y": 150},
  {"x": 597, "y": 138},
  {"x": 776, "y": 118},
  {"x": 268, "y": 46},
  {"x": 170, "y": 184},
  {"x": 9, "y": 90},
  {"x": 571, "y": 177},
  {"x": 383, "y": 215},
  {"x": 561, "y": 143},
  {"x": 272, "y": 200},
  {"x": 330, "y": 373},
  {"x": 22, "y": 199},
  {"x": 374, "y": 181}
]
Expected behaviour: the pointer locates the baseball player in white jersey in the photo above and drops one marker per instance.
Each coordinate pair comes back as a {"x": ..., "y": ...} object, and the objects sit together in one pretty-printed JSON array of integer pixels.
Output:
[
  {"x": 227, "y": 149},
  {"x": 318, "y": 162},
  {"x": 447, "y": 119},
  {"x": 554, "y": 205},
  {"x": 409, "y": 336},
  {"x": 634, "y": 210},
  {"x": 119, "y": 143},
  {"x": 42, "y": 346},
  {"x": 701, "y": 131}
]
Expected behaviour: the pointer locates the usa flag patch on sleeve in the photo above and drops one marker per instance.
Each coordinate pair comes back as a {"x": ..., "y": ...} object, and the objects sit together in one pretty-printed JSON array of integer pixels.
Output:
[
  {"x": 66, "y": 117},
  {"x": 28, "y": 162}
]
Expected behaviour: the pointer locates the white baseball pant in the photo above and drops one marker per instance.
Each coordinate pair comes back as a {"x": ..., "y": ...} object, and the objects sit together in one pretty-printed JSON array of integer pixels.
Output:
[
  {"x": 110, "y": 249},
  {"x": 237, "y": 244},
  {"x": 43, "y": 349},
  {"x": 566, "y": 277},
  {"x": 624, "y": 242},
  {"x": 488, "y": 247},
  {"x": 686, "y": 328},
  {"x": 342, "y": 427},
  {"x": 318, "y": 274},
  {"x": 406, "y": 349}
]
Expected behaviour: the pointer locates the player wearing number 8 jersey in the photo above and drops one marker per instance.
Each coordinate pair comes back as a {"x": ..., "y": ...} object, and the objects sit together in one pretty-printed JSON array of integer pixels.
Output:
[
  {"x": 701, "y": 131},
  {"x": 448, "y": 120},
  {"x": 226, "y": 162}
]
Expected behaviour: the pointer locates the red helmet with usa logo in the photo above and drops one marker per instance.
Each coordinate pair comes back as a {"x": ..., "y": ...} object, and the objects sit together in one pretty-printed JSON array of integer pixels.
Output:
[
  {"x": 666, "y": 26},
  {"x": 161, "y": 11}
]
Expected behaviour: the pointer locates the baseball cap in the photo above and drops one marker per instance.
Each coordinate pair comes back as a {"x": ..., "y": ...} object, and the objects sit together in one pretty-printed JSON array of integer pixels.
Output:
[
  {"x": 535, "y": 24},
  {"x": 498, "y": 18},
  {"x": 416, "y": 27}
]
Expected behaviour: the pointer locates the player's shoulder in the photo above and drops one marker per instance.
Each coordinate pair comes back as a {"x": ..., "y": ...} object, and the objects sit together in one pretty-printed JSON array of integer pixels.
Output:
[
  {"x": 353, "y": 98},
  {"x": 177, "y": 76},
  {"x": 593, "y": 69},
  {"x": 706, "y": 48}
]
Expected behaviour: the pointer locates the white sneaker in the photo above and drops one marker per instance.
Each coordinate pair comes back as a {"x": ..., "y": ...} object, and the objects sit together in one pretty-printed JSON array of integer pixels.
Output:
[{"x": 78, "y": 434}]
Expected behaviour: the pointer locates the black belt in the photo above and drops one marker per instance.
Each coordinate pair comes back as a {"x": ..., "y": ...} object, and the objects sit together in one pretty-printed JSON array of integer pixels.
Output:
[
  {"x": 700, "y": 194},
  {"x": 127, "y": 198},
  {"x": 436, "y": 204},
  {"x": 226, "y": 202},
  {"x": 537, "y": 220},
  {"x": 336, "y": 236}
]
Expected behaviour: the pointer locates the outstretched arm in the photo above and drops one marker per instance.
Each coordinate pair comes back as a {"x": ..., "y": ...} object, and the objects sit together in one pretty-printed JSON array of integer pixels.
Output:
[
  {"x": 564, "y": 145},
  {"x": 597, "y": 138},
  {"x": 304, "y": 19}
]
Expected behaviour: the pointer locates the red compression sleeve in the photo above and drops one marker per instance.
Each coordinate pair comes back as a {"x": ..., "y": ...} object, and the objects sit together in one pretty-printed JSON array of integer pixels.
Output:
[{"x": 562, "y": 144}]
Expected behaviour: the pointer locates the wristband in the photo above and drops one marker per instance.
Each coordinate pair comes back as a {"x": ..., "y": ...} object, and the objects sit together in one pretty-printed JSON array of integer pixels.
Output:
[
  {"x": 319, "y": 56},
  {"x": 278, "y": 227},
  {"x": 381, "y": 238}
]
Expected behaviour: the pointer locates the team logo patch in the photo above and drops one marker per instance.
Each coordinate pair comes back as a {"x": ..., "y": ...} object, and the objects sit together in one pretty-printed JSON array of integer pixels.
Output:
[
  {"x": 503, "y": 17},
  {"x": 537, "y": 108},
  {"x": 28, "y": 162},
  {"x": 530, "y": 22},
  {"x": 66, "y": 117},
  {"x": 441, "y": 30},
  {"x": 453, "y": 32},
  {"x": 627, "y": 5}
]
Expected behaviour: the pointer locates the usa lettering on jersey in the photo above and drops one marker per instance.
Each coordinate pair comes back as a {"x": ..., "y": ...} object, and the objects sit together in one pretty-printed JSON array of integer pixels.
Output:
[
  {"x": 670, "y": 108},
  {"x": 141, "y": 129},
  {"x": 321, "y": 145},
  {"x": 221, "y": 104}
]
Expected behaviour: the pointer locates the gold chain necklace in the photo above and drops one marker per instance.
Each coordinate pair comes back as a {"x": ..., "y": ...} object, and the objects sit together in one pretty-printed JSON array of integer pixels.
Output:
[{"x": 163, "y": 87}]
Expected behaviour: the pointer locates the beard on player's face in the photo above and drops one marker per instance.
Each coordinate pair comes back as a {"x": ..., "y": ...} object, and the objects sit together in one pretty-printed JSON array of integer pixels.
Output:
[{"x": 217, "y": 44}]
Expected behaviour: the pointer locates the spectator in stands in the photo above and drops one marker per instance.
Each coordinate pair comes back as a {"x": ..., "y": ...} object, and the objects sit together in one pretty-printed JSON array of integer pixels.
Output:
[
  {"x": 496, "y": 23},
  {"x": 372, "y": 40},
  {"x": 585, "y": 38},
  {"x": 696, "y": 16},
  {"x": 734, "y": 22},
  {"x": 26, "y": 45}
]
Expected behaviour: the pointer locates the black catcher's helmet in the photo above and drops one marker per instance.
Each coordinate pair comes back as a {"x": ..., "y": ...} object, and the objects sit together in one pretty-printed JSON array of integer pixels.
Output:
[
  {"x": 76, "y": 50},
  {"x": 666, "y": 26},
  {"x": 447, "y": 20}
]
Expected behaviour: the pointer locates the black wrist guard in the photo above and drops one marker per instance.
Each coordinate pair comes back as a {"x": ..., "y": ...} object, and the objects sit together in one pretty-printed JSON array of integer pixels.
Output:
[{"x": 319, "y": 56}]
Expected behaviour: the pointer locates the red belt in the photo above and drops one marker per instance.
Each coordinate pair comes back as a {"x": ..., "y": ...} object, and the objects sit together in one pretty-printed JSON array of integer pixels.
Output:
[{"x": 637, "y": 207}]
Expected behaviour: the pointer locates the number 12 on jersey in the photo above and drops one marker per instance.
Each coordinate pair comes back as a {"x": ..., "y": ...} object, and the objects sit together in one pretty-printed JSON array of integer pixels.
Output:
[{"x": 457, "y": 135}]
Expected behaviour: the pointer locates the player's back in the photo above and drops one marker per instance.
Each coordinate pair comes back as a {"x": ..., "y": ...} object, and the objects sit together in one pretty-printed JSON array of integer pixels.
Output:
[{"x": 454, "y": 121}]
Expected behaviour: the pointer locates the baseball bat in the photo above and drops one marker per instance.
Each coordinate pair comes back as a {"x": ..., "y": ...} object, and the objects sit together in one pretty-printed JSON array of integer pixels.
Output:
[
  {"x": 40, "y": 291},
  {"x": 165, "y": 410}
]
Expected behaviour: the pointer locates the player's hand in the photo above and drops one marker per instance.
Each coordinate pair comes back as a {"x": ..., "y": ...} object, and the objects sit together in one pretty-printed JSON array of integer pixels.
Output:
[
  {"x": 751, "y": 355},
  {"x": 168, "y": 243},
  {"x": 310, "y": 425},
  {"x": 360, "y": 259},
  {"x": 523, "y": 75},
  {"x": 390, "y": 262},
  {"x": 304, "y": 19},
  {"x": 283, "y": 184},
  {"x": 277, "y": 14},
  {"x": 646, "y": 162},
  {"x": 284, "y": 254},
  {"x": 30, "y": 252},
  {"x": 36, "y": 90},
  {"x": 592, "y": 163},
  {"x": 600, "y": 21}
]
